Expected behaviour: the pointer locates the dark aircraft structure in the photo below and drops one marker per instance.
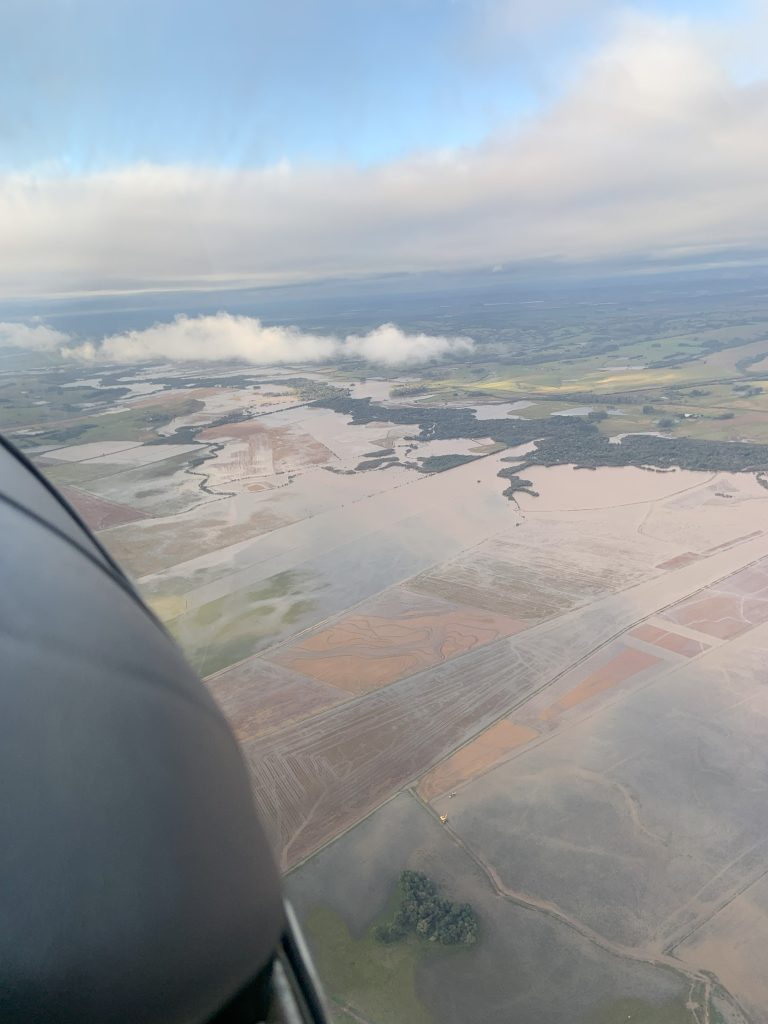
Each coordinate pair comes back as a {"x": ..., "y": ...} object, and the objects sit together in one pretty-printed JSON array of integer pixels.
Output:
[{"x": 136, "y": 883}]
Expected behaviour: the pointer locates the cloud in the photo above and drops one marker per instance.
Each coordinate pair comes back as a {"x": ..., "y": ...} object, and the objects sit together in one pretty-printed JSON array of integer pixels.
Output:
[
  {"x": 39, "y": 336},
  {"x": 225, "y": 337},
  {"x": 495, "y": 22},
  {"x": 389, "y": 346},
  {"x": 655, "y": 151}
]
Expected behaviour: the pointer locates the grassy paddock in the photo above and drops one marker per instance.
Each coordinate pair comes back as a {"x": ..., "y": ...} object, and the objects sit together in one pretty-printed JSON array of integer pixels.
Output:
[{"x": 374, "y": 978}]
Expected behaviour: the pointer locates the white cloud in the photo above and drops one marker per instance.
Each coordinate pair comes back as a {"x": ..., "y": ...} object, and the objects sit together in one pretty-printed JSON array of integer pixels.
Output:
[
  {"x": 211, "y": 338},
  {"x": 389, "y": 346},
  {"x": 498, "y": 21},
  {"x": 224, "y": 337},
  {"x": 38, "y": 336},
  {"x": 654, "y": 151}
]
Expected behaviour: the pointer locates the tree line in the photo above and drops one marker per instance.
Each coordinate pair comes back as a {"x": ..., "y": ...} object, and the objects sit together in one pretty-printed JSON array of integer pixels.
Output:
[{"x": 561, "y": 440}]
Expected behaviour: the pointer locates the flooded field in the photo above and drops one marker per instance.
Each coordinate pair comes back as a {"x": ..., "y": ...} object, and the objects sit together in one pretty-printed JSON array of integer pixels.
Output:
[
  {"x": 559, "y": 975},
  {"x": 390, "y": 638},
  {"x": 574, "y": 681},
  {"x": 565, "y": 488}
]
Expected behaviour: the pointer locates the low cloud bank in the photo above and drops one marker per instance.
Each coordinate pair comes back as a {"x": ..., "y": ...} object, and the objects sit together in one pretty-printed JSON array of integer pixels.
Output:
[
  {"x": 38, "y": 337},
  {"x": 224, "y": 337},
  {"x": 389, "y": 346}
]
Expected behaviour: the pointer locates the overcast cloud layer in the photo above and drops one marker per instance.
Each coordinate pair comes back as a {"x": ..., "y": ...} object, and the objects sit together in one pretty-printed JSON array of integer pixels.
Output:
[
  {"x": 225, "y": 337},
  {"x": 655, "y": 151}
]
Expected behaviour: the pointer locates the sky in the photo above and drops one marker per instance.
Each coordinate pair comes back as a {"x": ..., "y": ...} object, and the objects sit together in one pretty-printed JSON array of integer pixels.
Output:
[{"x": 150, "y": 145}]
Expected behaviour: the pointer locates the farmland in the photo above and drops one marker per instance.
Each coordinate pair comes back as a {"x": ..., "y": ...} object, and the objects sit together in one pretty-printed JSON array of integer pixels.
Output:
[{"x": 571, "y": 672}]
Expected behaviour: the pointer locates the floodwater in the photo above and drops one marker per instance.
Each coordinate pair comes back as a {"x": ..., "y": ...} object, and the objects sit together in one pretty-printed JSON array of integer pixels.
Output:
[
  {"x": 247, "y": 400},
  {"x": 396, "y": 522},
  {"x": 498, "y": 410},
  {"x": 564, "y": 488},
  {"x": 449, "y": 446},
  {"x": 91, "y": 450},
  {"x": 618, "y": 369},
  {"x": 85, "y": 382},
  {"x": 129, "y": 453},
  {"x": 519, "y": 450},
  {"x": 376, "y": 390},
  {"x": 599, "y": 551},
  {"x": 139, "y": 390},
  {"x": 618, "y": 438}
]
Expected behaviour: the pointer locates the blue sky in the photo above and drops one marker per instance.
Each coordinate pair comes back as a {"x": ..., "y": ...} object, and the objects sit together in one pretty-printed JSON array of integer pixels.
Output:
[
  {"x": 88, "y": 84},
  {"x": 150, "y": 145}
]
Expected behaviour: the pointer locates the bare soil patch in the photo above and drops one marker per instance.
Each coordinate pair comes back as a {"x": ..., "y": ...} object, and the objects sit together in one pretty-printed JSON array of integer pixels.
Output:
[
  {"x": 258, "y": 697},
  {"x": 98, "y": 513},
  {"x": 476, "y": 757},
  {"x": 360, "y": 653},
  {"x": 287, "y": 448},
  {"x": 628, "y": 663},
  {"x": 720, "y": 614},
  {"x": 669, "y": 640},
  {"x": 679, "y": 561}
]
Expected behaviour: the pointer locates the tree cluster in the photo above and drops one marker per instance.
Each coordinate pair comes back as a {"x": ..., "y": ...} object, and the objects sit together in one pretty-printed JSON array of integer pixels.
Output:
[
  {"x": 439, "y": 463},
  {"x": 561, "y": 440},
  {"x": 516, "y": 483},
  {"x": 424, "y": 912}
]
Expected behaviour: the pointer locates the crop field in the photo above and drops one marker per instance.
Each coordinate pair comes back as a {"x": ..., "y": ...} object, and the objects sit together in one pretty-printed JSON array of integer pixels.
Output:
[
  {"x": 633, "y": 800},
  {"x": 525, "y": 967},
  {"x": 258, "y": 697},
  {"x": 233, "y": 627},
  {"x": 118, "y": 453},
  {"x": 315, "y": 781},
  {"x": 623, "y": 664},
  {"x": 159, "y": 544},
  {"x": 728, "y": 609},
  {"x": 138, "y": 423},
  {"x": 254, "y": 450},
  {"x": 732, "y": 944},
  {"x": 312, "y": 783},
  {"x": 390, "y": 637},
  {"x": 616, "y": 665},
  {"x": 98, "y": 513},
  {"x": 543, "y": 573},
  {"x": 575, "y": 678},
  {"x": 669, "y": 640},
  {"x": 475, "y": 758},
  {"x": 162, "y": 488}
]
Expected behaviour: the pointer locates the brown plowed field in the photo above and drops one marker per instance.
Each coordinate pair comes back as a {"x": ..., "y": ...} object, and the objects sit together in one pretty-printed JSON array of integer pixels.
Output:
[
  {"x": 730, "y": 607},
  {"x": 475, "y": 758},
  {"x": 363, "y": 652},
  {"x": 628, "y": 663},
  {"x": 98, "y": 513},
  {"x": 670, "y": 641},
  {"x": 290, "y": 448},
  {"x": 719, "y": 614},
  {"x": 257, "y": 697}
]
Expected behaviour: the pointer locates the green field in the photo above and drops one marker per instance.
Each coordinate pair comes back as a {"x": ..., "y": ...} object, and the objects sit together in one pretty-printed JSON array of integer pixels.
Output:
[
  {"x": 375, "y": 979},
  {"x": 231, "y": 628},
  {"x": 39, "y": 398},
  {"x": 639, "y": 1012}
]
